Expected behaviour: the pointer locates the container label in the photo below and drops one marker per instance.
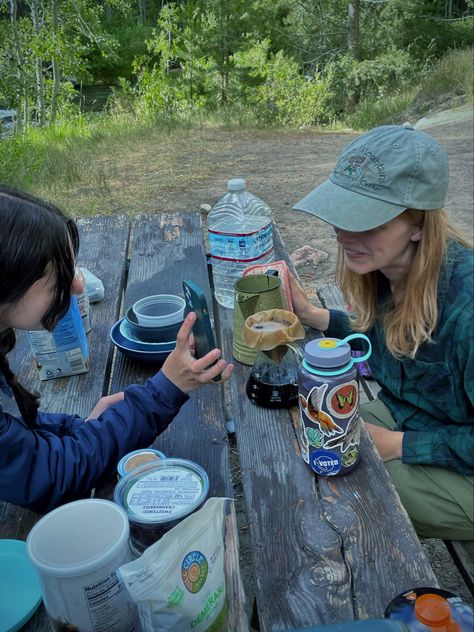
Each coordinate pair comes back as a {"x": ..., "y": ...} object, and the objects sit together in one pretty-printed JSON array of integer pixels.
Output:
[
  {"x": 325, "y": 462},
  {"x": 164, "y": 494},
  {"x": 242, "y": 248},
  {"x": 109, "y": 604},
  {"x": 65, "y": 350}
]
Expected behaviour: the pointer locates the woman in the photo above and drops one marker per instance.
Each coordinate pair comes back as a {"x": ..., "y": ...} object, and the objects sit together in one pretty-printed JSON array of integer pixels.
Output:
[
  {"x": 408, "y": 275},
  {"x": 49, "y": 459}
]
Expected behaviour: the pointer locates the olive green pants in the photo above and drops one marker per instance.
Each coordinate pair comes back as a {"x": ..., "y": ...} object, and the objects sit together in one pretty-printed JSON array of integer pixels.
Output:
[{"x": 440, "y": 502}]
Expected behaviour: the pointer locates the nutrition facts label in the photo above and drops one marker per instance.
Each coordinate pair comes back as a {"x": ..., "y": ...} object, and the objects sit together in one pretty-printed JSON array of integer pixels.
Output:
[{"x": 109, "y": 606}]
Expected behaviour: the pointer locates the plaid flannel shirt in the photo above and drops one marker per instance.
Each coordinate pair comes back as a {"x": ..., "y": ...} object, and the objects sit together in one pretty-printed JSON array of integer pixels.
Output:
[{"x": 431, "y": 397}]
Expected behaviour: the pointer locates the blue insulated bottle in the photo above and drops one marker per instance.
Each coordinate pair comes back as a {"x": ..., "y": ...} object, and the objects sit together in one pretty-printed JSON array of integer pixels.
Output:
[{"x": 328, "y": 394}]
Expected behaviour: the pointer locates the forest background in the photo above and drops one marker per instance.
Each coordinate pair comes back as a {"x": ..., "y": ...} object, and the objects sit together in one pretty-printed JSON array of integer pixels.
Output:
[{"x": 174, "y": 69}]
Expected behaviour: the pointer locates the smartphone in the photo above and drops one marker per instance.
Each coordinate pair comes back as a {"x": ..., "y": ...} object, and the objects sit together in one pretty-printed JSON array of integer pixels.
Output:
[{"x": 203, "y": 333}]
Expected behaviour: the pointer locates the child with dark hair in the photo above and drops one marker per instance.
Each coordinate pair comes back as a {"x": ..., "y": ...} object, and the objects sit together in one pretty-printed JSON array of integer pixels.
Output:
[{"x": 48, "y": 459}]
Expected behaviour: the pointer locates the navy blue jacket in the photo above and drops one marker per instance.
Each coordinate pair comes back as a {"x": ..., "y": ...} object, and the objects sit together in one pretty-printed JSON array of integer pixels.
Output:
[{"x": 66, "y": 457}]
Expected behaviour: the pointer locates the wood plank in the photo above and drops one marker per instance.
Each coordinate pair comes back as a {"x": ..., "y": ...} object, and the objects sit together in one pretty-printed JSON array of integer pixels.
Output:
[
  {"x": 324, "y": 549},
  {"x": 166, "y": 249},
  {"x": 104, "y": 243},
  {"x": 463, "y": 556}
]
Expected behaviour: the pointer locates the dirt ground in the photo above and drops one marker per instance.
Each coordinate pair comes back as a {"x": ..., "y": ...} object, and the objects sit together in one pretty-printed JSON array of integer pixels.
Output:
[{"x": 281, "y": 168}]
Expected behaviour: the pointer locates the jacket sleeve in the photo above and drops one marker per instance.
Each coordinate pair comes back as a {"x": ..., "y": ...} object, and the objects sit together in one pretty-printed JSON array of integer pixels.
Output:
[
  {"x": 339, "y": 324},
  {"x": 65, "y": 457},
  {"x": 451, "y": 447}
]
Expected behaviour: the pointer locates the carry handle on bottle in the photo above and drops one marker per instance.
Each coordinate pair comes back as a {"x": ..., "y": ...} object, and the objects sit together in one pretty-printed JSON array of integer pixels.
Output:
[
  {"x": 355, "y": 337},
  {"x": 351, "y": 362}
]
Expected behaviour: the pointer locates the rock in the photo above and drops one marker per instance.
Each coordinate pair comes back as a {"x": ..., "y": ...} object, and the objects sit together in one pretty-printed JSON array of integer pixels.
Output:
[
  {"x": 205, "y": 208},
  {"x": 308, "y": 254}
]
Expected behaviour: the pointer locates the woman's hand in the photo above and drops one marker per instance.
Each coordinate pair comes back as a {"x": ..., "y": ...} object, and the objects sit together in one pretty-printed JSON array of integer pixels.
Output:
[
  {"x": 184, "y": 370},
  {"x": 308, "y": 313},
  {"x": 104, "y": 403},
  {"x": 388, "y": 442}
]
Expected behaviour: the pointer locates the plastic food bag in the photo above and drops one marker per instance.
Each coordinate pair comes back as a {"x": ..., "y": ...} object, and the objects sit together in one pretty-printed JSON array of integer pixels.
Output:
[
  {"x": 94, "y": 286},
  {"x": 179, "y": 582}
]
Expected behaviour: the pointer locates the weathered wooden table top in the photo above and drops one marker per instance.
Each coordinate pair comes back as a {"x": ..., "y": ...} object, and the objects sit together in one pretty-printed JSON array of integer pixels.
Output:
[
  {"x": 325, "y": 549},
  {"x": 152, "y": 256}
]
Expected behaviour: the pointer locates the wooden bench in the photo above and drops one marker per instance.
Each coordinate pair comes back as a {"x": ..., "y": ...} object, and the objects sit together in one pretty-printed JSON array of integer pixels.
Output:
[
  {"x": 151, "y": 255},
  {"x": 462, "y": 553}
]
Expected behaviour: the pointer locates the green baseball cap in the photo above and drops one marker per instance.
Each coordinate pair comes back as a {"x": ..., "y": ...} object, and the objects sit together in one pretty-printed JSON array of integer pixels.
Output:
[{"x": 378, "y": 176}]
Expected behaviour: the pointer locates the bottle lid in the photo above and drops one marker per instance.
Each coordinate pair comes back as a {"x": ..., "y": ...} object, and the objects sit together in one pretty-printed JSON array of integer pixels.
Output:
[
  {"x": 327, "y": 353},
  {"x": 432, "y": 610},
  {"x": 237, "y": 184}
]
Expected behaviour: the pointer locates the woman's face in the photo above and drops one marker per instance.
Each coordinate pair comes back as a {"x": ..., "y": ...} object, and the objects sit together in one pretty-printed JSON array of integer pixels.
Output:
[
  {"x": 28, "y": 312},
  {"x": 389, "y": 248}
]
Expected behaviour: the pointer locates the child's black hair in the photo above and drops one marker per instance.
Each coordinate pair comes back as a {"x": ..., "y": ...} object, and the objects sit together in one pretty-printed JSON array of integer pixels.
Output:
[{"x": 36, "y": 237}]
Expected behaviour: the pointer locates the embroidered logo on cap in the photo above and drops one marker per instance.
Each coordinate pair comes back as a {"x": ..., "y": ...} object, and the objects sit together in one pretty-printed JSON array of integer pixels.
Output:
[{"x": 362, "y": 167}]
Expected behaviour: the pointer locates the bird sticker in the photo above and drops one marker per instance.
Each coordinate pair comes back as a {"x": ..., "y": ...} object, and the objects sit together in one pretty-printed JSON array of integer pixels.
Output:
[
  {"x": 350, "y": 438},
  {"x": 311, "y": 407}
]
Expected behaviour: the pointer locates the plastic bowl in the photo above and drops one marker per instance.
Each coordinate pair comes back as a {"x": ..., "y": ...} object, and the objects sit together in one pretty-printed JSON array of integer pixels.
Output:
[
  {"x": 159, "y": 310},
  {"x": 138, "y": 333}
]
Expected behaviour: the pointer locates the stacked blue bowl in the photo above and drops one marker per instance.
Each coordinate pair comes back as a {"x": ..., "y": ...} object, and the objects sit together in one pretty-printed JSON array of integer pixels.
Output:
[{"x": 149, "y": 328}]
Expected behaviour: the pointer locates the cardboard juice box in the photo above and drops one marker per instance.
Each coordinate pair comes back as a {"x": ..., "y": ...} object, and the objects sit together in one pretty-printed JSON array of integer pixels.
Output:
[{"x": 63, "y": 351}]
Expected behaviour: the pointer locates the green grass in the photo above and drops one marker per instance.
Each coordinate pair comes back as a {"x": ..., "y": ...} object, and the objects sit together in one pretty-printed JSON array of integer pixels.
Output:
[
  {"x": 114, "y": 161},
  {"x": 452, "y": 75}
]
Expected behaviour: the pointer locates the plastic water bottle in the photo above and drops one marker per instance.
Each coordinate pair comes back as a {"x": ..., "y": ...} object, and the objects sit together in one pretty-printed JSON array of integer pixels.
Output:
[{"x": 240, "y": 232}]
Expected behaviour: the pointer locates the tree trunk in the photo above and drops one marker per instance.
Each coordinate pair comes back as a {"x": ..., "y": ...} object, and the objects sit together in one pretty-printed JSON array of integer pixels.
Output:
[
  {"x": 353, "y": 33},
  {"x": 20, "y": 95},
  {"x": 54, "y": 63},
  {"x": 40, "y": 104}
]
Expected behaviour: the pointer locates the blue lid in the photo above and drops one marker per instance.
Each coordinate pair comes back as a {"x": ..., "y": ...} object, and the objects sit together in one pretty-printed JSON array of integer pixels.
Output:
[
  {"x": 237, "y": 184},
  {"x": 327, "y": 353}
]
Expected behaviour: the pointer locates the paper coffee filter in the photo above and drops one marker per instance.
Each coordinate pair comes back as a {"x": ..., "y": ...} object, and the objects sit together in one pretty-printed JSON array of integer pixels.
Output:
[{"x": 271, "y": 328}]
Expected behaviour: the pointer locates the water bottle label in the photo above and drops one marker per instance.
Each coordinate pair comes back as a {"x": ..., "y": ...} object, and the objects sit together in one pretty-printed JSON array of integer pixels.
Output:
[
  {"x": 325, "y": 462},
  {"x": 241, "y": 248}
]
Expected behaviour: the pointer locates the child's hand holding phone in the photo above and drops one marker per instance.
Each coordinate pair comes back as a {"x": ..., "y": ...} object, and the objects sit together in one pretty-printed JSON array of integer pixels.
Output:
[{"x": 188, "y": 372}]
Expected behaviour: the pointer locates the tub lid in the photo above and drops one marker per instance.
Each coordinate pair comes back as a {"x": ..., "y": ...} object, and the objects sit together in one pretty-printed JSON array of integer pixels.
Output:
[
  {"x": 137, "y": 458},
  {"x": 162, "y": 491}
]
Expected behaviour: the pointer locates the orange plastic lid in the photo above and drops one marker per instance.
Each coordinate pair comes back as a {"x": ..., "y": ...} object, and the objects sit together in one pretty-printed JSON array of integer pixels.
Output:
[{"x": 434, "y": 610}]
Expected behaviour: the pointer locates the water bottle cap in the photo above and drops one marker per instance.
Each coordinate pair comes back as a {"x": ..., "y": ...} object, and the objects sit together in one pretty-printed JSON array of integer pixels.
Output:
[
  {"x": 327, "y": 353},
  {"x": 432, "y": 610},
  {"x": 237, "y": 184}
]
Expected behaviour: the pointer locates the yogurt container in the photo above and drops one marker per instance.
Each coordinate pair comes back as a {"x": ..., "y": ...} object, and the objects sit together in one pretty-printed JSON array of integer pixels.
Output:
[
  {"x": 156, "y": 496},
  {"x": 135, "y": 459}
]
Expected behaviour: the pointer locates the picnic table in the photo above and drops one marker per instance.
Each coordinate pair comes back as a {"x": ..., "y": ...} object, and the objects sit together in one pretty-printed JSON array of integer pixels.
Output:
[{"x": 323, "y": 549}]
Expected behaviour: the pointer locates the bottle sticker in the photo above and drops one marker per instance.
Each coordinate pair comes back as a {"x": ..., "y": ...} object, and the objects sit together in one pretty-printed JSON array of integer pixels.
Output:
[
  {"x": 325, "y": 463},
  {"x": 241, "y": 248},
  {"x": 351, "y": 436},
  {"x": 343, "y": 399},
  {"x": 311, "y": 409}
]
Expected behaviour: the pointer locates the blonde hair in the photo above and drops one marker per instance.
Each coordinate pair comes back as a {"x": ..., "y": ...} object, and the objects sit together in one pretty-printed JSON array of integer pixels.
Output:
[{"x": 410, "y": 322}]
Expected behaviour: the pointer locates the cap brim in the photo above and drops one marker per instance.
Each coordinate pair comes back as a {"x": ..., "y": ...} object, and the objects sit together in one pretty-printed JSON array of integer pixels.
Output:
[{"x": 346, "y": 209}]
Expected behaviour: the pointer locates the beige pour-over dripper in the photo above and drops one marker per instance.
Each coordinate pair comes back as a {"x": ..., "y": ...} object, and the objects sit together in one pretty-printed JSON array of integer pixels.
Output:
[{"x": 273, "y": 382}]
